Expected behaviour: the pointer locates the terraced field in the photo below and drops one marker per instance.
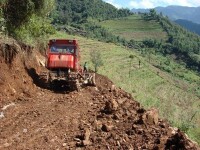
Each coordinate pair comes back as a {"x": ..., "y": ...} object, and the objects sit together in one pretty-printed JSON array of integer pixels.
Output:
[{"x": 134, "y": 27}]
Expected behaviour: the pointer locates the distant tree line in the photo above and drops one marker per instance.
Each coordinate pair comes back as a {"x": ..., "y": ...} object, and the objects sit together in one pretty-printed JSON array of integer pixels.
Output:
[{"x": 193, "y": 27}]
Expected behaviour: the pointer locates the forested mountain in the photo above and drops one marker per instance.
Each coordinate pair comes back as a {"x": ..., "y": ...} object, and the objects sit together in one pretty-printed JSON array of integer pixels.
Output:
[
  {"x": 177, "y": 12},
  {"x": 193, "y": 27},
  {"x": 71, "y": 11}
]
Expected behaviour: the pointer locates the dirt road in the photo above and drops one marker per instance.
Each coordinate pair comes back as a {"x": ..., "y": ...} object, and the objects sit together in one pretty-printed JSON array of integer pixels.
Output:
[{"x": 102, "y": 117}]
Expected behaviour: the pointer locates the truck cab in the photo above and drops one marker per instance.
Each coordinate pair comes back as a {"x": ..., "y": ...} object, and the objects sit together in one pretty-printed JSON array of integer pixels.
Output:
[{"x": 63, "y": 55}]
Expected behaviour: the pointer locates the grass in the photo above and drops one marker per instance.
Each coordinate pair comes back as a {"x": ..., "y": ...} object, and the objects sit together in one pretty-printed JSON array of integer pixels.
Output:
[
  {"x": 152, "y": 87},
  {"x": 134, "y": 27}
]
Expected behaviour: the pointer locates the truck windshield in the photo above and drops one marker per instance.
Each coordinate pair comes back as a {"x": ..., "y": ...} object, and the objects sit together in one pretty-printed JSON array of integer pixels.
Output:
[{"x": 66, "y": 49}]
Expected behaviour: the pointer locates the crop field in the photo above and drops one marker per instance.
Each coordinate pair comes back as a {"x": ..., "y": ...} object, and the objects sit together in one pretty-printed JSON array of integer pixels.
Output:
[
  {"x": 147, "y": 84},
  {"x": 133, "y": 27}
]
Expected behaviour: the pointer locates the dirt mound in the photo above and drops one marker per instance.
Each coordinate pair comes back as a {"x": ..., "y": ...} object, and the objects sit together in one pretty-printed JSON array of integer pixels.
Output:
[{"x": 102, "y": 117}]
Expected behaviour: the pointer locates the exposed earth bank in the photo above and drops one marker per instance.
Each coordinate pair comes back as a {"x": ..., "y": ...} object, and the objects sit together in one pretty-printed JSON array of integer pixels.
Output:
[{"x": 102, "y": 117}]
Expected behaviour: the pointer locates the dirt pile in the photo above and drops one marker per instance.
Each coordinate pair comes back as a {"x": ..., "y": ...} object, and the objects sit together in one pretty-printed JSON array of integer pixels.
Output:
[{"x": 102, "y": 117}]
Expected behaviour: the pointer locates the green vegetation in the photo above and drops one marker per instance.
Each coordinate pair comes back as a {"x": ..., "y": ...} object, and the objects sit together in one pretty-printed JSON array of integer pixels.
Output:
[
  {"x": 79, "y": 11},
  {"x": 2, "y": 20},
  {"x": 193, "y": 27},
  {"x": 96, "y": 59},
  {"x": 81, "y": 17},
  {"x": 136, "y": 28},
  {"x": 27, "y": 20},
  {"x": 172, "y": 40},
  {"x": 185, "y": 45}
]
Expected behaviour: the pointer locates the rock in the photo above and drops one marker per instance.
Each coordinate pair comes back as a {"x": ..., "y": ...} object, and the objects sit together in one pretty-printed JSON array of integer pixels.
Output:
[
  {"x": 111, "y": 106},
  {"x": 64, "y": 144},
  {"x": 83, "y": 139},
  {"x": 86, "y": 142},
  {"x": 162, "y": 125},
  {"x": 77, "y": 139},
  {"x": 151, "y": 117},
  {"x": 86, "y": 135},
  {"x": 114, "y": 104},
  {"x": 116, "y": 116},
  {"x": 107, "y": 128},
  {"x": 113, "y": 88},
  {"x": 7, "y": 106},
  {"x": 121, "y": 100},
  {"x": 6, "y": 144},
  {"x": 97, "y": 125},
  {"x": 1, "y": 115},
  {"x": 25, "y": 130},
  {"x": 172, "y": 130},
  {"x": 96, "y": 89},
  {"x": 13, "y": 91},
  {"x": 180, "y": 141}
]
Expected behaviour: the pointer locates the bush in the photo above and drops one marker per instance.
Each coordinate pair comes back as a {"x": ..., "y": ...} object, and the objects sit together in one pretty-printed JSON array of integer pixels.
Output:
[
  {"x": 96, "y": 59},
  {"x": 19, "y": 13}
]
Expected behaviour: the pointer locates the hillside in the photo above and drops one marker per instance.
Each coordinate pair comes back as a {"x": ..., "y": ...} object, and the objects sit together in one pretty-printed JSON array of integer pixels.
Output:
[
  {"x": 79, "y": 11},
  {"x": 102, "y": 117},
  {"x": 177, "y": 99},
  {"x": 136, "y": 28},
  {"x": 177, "y": 12},
  {"x": 193, "y": 27},
  {"x": 159, "y": 36}
]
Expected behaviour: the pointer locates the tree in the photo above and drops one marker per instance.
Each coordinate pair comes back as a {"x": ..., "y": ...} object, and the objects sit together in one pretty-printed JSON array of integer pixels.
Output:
[
  {"x": 18, "y": 12},
  {"x": 96, "y": 59},
  {"x": 2, "y": 20},
  {"x": 153, "y": 14}
]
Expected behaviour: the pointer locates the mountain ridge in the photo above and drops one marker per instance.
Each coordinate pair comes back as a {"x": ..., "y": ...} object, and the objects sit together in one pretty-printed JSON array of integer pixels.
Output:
[
  {"x": 176, "y": 12},
  {"x": 193, "y": 27}
]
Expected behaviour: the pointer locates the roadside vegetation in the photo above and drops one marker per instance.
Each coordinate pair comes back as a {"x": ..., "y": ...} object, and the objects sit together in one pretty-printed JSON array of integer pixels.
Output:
[{"x": 27, "y": 21}]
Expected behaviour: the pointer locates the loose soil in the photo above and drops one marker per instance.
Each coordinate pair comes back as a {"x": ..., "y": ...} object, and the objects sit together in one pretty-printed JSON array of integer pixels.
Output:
[{"x": 102, "y": 117}]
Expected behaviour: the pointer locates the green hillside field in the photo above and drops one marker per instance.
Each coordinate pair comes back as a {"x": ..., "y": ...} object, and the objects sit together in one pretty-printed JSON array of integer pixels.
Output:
[
  {"x": 177, "y": 99},
  {"x": 134, "y": 27}
]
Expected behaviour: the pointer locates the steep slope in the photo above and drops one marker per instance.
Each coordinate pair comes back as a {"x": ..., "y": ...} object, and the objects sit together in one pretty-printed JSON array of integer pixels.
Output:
[
  {"x": 136, "y": 28},
  {"x": 102, "y": 117},
  {"x": 160, "y": 35},
  {"x": 13, "y": 76},
  {"x": 176, "y": 98}
]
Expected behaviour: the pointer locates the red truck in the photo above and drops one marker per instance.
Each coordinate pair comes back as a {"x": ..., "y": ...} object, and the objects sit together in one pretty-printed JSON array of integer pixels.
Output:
[{"x": 63, "y": 63}]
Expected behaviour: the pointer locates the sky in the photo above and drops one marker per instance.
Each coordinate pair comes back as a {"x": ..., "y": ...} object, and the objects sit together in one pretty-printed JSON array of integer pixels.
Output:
[{"x": 151, "y": 3}]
